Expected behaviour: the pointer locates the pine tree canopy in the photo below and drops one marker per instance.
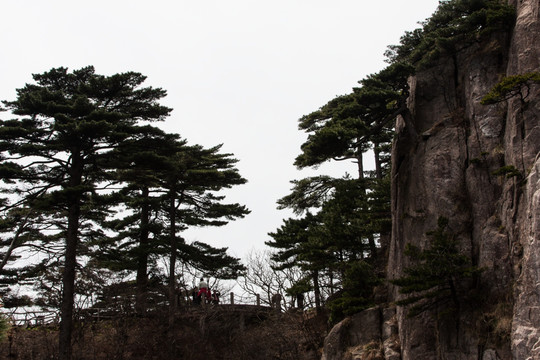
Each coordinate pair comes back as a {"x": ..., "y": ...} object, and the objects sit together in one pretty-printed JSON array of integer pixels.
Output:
[
  {"x": 456, "y": 24},
  {"x": 89, "y": 182},
  {"x": 512, "y": 86},
  {"x": 349, "y": 125},
  {"x": 436, "y": 278}
]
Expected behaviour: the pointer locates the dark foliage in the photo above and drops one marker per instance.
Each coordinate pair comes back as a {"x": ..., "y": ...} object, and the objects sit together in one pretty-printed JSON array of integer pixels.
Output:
[
  {"x": 455, "y": 25},
  {"x": 438, "y": 274}
]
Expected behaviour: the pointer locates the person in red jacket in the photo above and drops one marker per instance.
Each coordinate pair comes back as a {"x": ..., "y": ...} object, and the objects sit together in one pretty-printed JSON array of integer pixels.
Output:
[{"x": 204, "y": 290}]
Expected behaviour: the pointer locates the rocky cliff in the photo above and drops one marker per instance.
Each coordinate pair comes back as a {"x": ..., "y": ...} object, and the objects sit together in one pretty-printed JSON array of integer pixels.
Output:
[{"x": 450, "y": 165}]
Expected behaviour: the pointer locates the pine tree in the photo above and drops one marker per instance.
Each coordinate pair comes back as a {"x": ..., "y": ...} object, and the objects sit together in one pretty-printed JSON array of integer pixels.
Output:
[
  {"x": 139, "y": 163},
  {"x": 356, "y": 295},
  {"x": 347, "y": 126},
  {"x": 191, "y": 184},
  {"x": 454, "y": 26},
  {"x": 55, "y": 153},
  {"x": 512, "y": 86},
  {"x": 299, "y": 244},
  {"x": 437, "y": 275}
]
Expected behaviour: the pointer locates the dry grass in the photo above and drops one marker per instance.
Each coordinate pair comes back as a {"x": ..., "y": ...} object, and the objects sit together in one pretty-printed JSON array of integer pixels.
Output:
[
  {"x": 373, "y": 351},
  {"x": 207, "y": 336},
  {"x": 497, "y": 324}
]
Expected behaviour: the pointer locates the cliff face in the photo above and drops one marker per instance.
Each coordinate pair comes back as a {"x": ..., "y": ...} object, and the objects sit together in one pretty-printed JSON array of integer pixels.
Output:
[{"x": 445, "y": 167}]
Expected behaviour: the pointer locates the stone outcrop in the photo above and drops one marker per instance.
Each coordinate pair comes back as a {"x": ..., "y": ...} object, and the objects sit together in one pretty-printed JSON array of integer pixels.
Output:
[
  {"x": 526, "y": 320},
  {"x": 450, "y": 165},
  {"x": 369, "y": 334},
  {"x": 449, "y": 170}
]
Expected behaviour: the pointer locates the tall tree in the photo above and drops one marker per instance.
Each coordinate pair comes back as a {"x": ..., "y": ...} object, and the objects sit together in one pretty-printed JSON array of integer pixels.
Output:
[
  {"x": 347, "y": 126},
  {"x": 192, "y": 183},
  {"x": 353, "y": 215},
  {"x": 140, "y": 163},
  {"x": 70, "y": 123},
  {"x": 300, "y": 243},
  {"x": 335, "y": 240}
]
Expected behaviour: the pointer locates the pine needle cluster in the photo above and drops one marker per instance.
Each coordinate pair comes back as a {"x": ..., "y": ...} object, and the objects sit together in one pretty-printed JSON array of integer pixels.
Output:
[{"x": 437, "y": 275}]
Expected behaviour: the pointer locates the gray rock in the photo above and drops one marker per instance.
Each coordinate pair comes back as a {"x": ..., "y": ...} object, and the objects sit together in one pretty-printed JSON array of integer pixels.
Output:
[
  {"x": 351, "y": 335},
  {"x": 448, "y": 171}
]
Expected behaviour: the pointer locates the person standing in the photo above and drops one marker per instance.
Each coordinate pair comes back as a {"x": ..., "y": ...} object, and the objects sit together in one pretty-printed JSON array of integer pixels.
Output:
[
  {"x": 203, "y": 290},
  {"x": 195, "y": 298}
]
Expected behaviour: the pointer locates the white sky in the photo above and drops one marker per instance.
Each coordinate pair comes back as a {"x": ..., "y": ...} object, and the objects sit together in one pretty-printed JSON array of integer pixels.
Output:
[{"x": 239, "y": 73}]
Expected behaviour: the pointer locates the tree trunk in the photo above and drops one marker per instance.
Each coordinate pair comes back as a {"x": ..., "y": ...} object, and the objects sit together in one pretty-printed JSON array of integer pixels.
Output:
[
  {"x": 371, "y": 239},
  {"x": 377, "y": 157},
  {"x": 68, "y": 284},
  {"x": 172, "y": 264},
  {"x": 453, "y": 293},
  {"x": 70, "y": 264},
  {"x": 142, "y": 256},
  {"x": 360, "y": 163},
  {"x": 317, "y": 291},
  {"x": 172, "y": 280}
]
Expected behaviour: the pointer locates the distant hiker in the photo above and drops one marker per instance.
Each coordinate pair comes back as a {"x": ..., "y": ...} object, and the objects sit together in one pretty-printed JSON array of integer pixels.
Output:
[
  {"x": 204, "y": 290},
  {"x": 203, "y": 285},
  {"x": 195, "y": 296},
  {"x": 300, "y": 300},
  {"x": 276, "y": 302},
  {"x": 215, "y": 297}
]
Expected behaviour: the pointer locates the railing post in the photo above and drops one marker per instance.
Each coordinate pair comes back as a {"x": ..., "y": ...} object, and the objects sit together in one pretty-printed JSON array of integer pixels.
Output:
[
  {"x": 232, "y": 298},
  {"x": 258, "y": 300},
  {"x": 276, "y": 302}
]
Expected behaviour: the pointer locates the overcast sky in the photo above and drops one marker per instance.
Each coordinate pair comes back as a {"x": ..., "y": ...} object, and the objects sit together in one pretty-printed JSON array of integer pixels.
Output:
[{"x": 238, "y": 73}]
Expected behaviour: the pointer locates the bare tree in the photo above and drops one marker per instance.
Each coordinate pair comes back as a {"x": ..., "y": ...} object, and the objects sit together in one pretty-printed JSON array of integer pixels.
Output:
[{"x": 261, "y": 278}]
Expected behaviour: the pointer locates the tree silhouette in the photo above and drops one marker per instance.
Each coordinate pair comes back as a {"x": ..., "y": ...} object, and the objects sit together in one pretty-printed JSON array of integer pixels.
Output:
[
  {"x": 55, "y": 154},
  {"x": 437, "y": 275}
]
